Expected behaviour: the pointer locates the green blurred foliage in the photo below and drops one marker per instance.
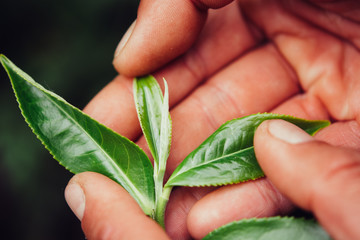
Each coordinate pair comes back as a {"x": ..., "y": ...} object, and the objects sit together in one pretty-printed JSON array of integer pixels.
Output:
[{"x": 68, "y": 47}]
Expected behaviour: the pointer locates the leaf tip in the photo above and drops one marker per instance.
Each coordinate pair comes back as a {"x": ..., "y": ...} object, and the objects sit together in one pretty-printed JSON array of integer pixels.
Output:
[{"x": 3, "y": 59}]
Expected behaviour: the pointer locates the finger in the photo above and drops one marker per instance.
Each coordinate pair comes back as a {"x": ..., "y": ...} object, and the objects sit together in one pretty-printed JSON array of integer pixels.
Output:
[
  {"x": 163, "y": 30},
  {"x": 114, "y": 105},
  {"x": 107, "y": 211},
  {"x": 344, "y": 13},
  {"x": 325, "y": 64},
  {"x": 177, "y": 211},
  {"x": 345, "y": 133},
  {"x": 231, "y": 203},
  {"x": 316, "y": 176},
  {"x": 304, "y": 106}
]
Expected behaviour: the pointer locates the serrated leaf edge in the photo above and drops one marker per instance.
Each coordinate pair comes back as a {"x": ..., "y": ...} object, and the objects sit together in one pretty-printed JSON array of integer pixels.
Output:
[
  {"x": 165, "y": 129},
  {"x": 271, "y": 116},
  {"x": 262, "y": 220},
  {"x": 206, "y": 163},
  {"x": 148, "y": 138},
  {"x": 24, "y": 76}
]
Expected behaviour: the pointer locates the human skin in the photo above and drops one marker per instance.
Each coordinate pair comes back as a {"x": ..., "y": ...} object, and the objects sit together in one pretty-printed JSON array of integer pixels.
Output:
[
  {"x": 291, "y": 57},
  {"x": 315, "y": 175}
]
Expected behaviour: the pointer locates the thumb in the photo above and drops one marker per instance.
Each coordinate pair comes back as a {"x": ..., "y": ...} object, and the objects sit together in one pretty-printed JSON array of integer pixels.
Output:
[
  {"x": 318, "y": 177},
  {"x": 107, "y": 211},
  {"x": 163, "y": 30}
]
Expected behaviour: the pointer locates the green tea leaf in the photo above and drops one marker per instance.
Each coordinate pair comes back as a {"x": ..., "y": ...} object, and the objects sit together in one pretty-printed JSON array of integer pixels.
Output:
[
  {"x": 227, "y": 156},
  {"x": 165, "y": 130},
  {"x": 274, "y": 228},
  {"x": 79, "y": 142},
  {"x": 153, "y": 112}
]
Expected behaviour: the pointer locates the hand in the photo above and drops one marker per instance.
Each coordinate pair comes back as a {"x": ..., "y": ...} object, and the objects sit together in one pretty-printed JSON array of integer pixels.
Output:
[
  {"x": 316, "y": 176},
  {"x": 299, "y": 58},
  {"x": 107, "y": 211}
]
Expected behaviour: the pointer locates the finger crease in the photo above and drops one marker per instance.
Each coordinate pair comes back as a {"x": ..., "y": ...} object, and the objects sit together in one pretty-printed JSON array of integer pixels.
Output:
[
  {"x": 228, "y": 98},
  {"x": 199, "y": 5},
  {"x": 341, "y": 172},
  {"x": 207, "y": 113},
  {"x": 195, "y": 65}
]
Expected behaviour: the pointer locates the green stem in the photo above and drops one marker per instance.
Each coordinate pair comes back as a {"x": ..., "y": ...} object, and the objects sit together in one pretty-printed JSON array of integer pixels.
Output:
[
  {"x": 159, "y": 181},
  {"x": 161, "y": 206}
]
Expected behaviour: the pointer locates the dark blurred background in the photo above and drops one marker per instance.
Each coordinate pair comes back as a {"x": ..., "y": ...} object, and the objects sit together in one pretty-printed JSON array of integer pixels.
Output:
[{"x": 68, "y": 47}]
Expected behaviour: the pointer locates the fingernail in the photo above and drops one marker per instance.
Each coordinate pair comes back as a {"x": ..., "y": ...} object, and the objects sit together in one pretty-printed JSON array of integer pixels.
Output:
[
  {"x": 124, "y": 39},
  {"x": 75, "y": 198},
  {"x": 288, "y": 132}
]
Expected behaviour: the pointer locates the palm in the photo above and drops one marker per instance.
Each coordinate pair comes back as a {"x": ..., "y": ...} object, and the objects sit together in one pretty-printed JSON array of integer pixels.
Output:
[{"x": 271, "y": 56}]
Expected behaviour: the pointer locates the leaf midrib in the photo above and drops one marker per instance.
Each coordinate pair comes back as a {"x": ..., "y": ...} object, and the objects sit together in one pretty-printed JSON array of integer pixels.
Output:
[
  {"x": 135, "y": 190},
  {"x": 152, "y": 130},
  {"x": 208, "y": 162}
]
